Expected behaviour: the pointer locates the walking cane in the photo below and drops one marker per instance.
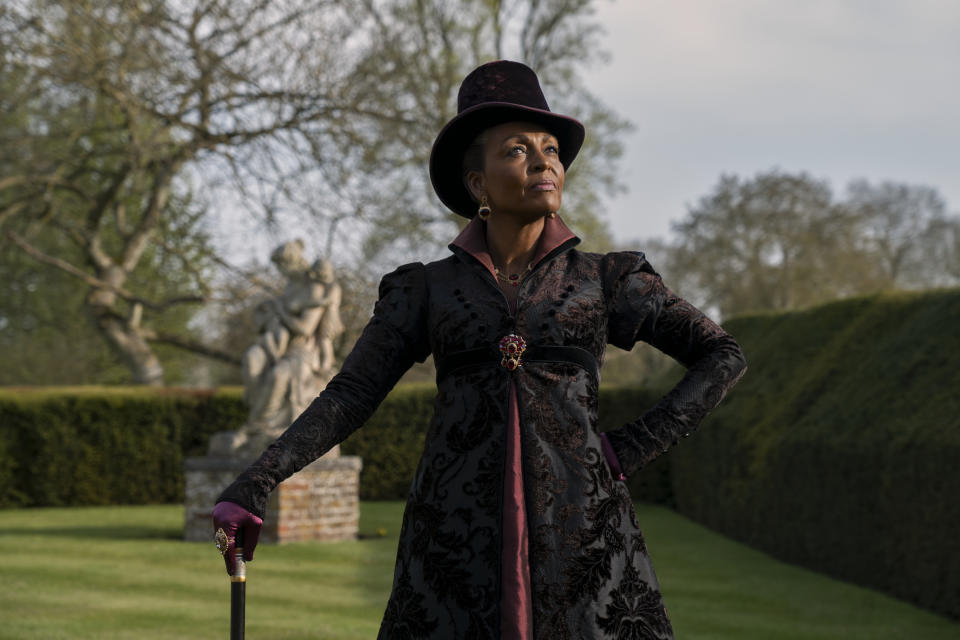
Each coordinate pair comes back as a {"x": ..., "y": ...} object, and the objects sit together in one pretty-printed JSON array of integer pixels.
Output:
[
  {"x": 238, "y": 592},
  {"x": 238, "y": 582}
]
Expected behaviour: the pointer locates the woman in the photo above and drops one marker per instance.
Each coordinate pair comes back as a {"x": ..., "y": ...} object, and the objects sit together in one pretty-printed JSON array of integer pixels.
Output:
[{"x": 517, "y": 525}]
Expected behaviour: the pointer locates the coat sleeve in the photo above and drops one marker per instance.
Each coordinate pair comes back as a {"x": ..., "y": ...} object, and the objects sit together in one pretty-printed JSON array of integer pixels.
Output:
[
  {"x": 643, "y": 308},
  {"x": 393, "y": 339}
]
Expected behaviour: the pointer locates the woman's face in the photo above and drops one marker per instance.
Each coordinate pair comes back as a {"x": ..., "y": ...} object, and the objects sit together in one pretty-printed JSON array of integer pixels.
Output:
[{"x": 522, "y": 174}]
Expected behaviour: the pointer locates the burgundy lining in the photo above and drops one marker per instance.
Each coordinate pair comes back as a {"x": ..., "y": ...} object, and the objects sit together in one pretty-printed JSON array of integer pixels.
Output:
[
  {"x": 473, "y": 240},
  {"x": 516, "y": 602}
]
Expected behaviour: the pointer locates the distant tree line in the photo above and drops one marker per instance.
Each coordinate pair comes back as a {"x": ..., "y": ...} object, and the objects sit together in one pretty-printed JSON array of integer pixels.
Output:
[{"x": 780, "y": 241}]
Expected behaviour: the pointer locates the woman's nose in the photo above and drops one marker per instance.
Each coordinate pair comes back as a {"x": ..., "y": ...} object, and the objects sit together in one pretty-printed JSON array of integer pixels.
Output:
[{"x": 539, "y": 160}]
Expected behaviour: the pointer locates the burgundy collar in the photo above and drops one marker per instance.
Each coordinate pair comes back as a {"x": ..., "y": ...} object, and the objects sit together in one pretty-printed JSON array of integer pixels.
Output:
[{"x": 473, "y": 240}]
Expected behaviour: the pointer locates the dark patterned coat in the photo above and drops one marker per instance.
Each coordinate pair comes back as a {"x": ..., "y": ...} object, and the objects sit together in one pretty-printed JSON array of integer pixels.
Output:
[{"x": 591, "y": 575}]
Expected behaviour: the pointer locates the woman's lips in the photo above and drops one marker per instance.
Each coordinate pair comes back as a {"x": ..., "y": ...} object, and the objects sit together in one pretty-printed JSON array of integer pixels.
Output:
[{"x": 545, "y": 186}]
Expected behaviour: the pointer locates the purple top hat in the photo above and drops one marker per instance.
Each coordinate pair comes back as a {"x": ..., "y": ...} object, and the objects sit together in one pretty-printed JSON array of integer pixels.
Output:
[{"x": 492, "y": 94}]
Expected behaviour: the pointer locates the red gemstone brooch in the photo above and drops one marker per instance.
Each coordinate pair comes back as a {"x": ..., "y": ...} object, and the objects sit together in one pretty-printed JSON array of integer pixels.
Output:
[{"x": 512, "y": 347}]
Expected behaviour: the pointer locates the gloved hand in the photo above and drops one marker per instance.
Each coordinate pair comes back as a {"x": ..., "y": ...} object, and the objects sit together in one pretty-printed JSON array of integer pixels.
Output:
[
  {"x": 232, "y": 518},
  {"x": 612, "y": 461}
]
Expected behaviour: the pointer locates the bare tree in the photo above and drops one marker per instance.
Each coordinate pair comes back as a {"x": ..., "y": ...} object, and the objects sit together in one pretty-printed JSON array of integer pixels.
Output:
[
  {"x": 130, "y": 119},
  {"x": 780, "y": 241},
  {"x": 903, "y": 226},
  {"x": 774, "y": 241},
  {"x": 758, "y": 243},
  {"x": 941, "y": 240},
  {"x": 114, "y": 100}
]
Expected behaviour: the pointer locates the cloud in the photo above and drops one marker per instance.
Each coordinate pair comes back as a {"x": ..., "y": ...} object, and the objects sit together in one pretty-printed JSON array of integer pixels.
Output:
[
  {"x": 836, "y": 87},
  {"x": 816, "y": 59}
]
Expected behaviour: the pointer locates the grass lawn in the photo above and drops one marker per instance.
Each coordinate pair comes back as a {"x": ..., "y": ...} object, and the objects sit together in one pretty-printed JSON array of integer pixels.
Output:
[{"x": 123, "y": 572}]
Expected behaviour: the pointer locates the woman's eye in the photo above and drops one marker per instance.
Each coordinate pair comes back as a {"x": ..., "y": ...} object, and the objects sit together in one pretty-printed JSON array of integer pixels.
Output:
[
  {"x": 552, "y": 149},
  {"x": 517, "y": 150}
]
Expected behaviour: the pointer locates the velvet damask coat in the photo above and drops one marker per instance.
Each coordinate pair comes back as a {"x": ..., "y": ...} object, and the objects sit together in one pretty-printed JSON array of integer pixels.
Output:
[{"x": 590, "y": 575}]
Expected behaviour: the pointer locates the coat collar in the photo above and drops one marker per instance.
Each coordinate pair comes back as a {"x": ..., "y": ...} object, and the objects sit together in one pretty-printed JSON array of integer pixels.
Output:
[{"x": 473, "y": 241}]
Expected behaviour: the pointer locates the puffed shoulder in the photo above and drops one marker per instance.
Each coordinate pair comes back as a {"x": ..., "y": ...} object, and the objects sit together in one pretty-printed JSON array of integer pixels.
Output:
[
  {"x": 620, "y": 264},
  {"x": 407, "y": 277},
  {"x": 635, "y": 295},
  {"x": 405, "y": 287},
  {"x": 402, "y": 306}
]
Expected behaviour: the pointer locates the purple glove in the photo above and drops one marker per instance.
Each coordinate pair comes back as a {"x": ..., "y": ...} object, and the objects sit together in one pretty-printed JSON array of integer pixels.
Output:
[
  {"x": 611, "y": 457},
  {"x": 232, "y": 518}
]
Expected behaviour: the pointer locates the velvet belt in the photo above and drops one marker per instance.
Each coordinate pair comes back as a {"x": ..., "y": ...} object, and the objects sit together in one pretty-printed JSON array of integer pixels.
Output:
[{"x": 492, "y": 356}]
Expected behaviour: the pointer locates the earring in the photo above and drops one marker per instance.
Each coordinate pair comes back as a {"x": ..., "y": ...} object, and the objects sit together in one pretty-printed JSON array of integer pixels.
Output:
[
  {"x": 552, "y": 214},
  {"x": 483, "y": 212}
]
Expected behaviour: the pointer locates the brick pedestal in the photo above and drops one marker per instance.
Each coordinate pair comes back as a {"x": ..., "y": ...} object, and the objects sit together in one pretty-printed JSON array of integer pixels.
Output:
[{"x": 318, "y": 503}]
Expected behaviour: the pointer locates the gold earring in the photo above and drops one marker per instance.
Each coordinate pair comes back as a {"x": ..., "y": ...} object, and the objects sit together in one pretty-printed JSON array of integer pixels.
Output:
[
  {"x": 483, "y": 212},
  {"x": 552, "y": 214}
]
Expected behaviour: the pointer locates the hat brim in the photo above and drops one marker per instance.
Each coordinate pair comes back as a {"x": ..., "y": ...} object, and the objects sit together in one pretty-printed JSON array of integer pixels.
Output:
[{"x": 446, "y": 157}]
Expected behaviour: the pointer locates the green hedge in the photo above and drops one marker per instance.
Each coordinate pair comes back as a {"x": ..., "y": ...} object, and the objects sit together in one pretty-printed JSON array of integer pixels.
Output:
[
  {"x": 97, "y": 446},
  {"x": 840, "y": 449},
  {"x": 94, "y": 446},
  {"x": 391, "y": 442}
]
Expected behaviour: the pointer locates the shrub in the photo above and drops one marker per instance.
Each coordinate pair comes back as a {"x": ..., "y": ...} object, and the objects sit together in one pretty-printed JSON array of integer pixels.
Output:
[
  {"x": 104, "y": 446},
  {"x": 94, "y": 446},
  {"x": 839, "y": 448}
]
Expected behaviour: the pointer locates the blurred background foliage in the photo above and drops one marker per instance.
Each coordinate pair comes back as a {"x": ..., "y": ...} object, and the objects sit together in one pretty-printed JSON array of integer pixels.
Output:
[
  {"x": 138, "y": 134},
  {"x": 131, "y": 130}
]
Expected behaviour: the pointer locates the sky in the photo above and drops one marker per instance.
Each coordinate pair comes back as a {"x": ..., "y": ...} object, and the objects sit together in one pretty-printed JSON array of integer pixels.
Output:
[{"x": 840, "y": 89}]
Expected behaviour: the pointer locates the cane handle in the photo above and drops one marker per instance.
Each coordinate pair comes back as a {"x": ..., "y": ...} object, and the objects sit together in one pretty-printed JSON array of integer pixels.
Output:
[{"x": 240, "y": 573}]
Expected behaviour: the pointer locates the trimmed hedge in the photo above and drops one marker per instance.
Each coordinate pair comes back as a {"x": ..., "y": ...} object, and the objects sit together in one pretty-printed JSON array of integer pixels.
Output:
[
  {"x": 840, "y": 449},
  {"x": 391, "y": 442},
  {"x": 97, "y": 446}
]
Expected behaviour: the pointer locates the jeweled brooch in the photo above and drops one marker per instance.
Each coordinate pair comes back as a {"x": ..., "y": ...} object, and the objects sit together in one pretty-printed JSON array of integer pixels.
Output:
[{"x": 512, "y": 347}]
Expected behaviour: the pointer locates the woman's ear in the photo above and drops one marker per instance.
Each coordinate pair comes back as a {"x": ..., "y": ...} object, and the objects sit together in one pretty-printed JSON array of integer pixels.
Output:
[{"x": 476, "y": 183}]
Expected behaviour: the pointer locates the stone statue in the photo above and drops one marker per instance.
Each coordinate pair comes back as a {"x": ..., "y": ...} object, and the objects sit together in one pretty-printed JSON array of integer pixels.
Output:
[
  {"x": 289, "y": 363},
  {"x": 293, "y": 357}
]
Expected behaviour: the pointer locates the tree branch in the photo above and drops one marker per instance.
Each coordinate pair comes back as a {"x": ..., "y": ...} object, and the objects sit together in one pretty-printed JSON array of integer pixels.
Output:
[
  {"x": 50, "y": 181},
  {"x": 108, "y": 195},
  {"x": 159, "y": 195},
  {"x": 97, "y": 283},
  {"x": 189, "y": 345}
]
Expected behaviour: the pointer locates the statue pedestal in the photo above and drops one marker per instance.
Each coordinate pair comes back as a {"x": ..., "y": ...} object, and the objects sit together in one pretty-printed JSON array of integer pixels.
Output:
[{"x": 320, "y": 502}]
